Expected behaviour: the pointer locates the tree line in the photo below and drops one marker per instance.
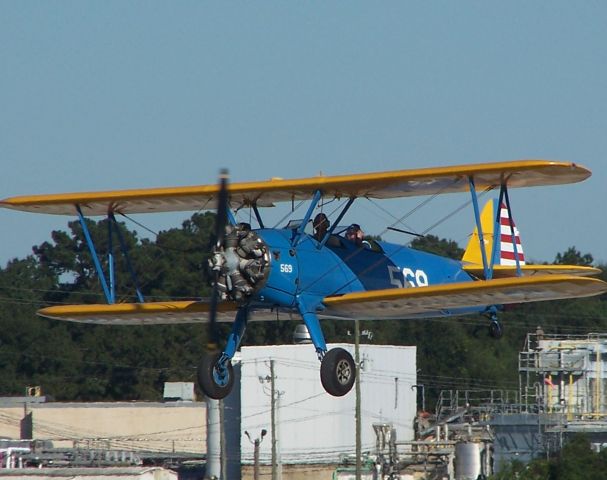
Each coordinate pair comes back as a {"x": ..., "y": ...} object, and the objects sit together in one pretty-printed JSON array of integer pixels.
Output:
[{"x": 82, "y": 362}]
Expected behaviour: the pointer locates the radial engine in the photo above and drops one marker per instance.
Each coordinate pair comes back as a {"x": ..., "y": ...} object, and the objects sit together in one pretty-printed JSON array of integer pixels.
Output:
[{"x": 243, "y": 263}]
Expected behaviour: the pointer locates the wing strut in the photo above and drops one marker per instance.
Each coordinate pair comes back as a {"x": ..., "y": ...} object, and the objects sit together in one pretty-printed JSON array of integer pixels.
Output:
[
  {"x": 479, "y": 228},
  {"x": 488, "y": 264},
  {"x": 258, "y": 215},
  {"x": 302, "y": 226},
  {"x": 109, "y": 289},
  {"x": 336, "y": 222},
  {"x": 108, "y": 294},
  {"x": 127, "y": 257}
]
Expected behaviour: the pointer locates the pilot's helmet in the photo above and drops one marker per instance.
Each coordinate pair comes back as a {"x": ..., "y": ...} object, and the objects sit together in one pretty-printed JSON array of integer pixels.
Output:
[{"x": 320, "y": 219}]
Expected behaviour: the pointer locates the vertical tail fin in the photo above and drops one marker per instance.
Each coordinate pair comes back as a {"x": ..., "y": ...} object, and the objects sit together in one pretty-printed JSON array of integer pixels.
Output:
[{"x": 504, "y": 254}]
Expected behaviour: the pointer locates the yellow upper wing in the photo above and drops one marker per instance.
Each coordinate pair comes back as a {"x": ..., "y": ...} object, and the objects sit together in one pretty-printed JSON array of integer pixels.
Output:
[
  {"x": 432, "y": 300},
  {"x": 401, "y": 183}
]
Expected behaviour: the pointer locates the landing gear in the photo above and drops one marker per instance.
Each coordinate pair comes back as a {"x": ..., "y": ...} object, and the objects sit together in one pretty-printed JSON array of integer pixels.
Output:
[
  {"x": 216, "y": 375},
  {"x": 337, "y": 372},
  {"x": 495, "y": 329},
  {"x": 337, "y": 367}
]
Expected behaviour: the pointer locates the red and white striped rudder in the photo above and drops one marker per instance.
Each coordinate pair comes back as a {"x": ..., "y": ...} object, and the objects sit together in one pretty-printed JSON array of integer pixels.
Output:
[{"x": 507, "y": 254}]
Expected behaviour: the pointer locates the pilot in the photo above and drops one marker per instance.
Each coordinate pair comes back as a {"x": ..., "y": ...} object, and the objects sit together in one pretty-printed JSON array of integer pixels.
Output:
[
  {"x": 355, "y": 234},
  {"x": 321, "y": 225}
]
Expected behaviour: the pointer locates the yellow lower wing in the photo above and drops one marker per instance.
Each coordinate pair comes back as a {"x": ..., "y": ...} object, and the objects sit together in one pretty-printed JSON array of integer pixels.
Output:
[
  {"x": 152, "y": 313},
  {"x": 375, "y": 304},
  {"x": 434, "y": 300},
  {"x": 505, "y": 271}
]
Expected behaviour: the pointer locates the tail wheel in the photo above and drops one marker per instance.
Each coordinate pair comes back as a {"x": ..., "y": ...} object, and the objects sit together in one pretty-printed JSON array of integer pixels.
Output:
[
  {"x": 337, "y": 372},
  {"x": 215, "y": 380}
]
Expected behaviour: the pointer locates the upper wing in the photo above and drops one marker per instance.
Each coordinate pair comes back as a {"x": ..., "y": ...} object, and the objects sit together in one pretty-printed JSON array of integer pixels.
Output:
[
  {"x": 401, "y": 183},
  {"x": 151, "y": 313},
  {"x": 504, "y": 271},
  {"x": 435, "y": 300}
]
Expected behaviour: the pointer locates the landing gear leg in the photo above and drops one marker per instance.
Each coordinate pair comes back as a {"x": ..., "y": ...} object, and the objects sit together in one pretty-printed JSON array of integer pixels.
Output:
[
  {"x": 337, "y": 367},
  {"x": 215, "y": 372},
  {"x": 495, "y": 327}
]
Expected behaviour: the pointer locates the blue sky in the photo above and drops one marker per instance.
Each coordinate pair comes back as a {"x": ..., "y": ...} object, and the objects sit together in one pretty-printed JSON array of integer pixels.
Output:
[{"x": 110, "y": 95}]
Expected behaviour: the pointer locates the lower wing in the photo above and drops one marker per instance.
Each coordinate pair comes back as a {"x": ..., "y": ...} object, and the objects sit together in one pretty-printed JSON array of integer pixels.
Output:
[
  {"x": 390, "y": 303},
  {"x": 441, "y": 299},
  {"x": 153, "y": 313}
]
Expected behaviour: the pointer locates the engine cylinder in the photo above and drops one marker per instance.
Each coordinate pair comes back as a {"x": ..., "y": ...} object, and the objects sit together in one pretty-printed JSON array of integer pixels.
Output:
[{"x": 243, "y": 263}]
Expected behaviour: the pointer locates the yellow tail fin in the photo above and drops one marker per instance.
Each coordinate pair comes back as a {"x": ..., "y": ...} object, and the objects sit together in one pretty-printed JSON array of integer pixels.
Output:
[
  {"x": 504, "y": 252},
  {"x": 473, "y": 253}
]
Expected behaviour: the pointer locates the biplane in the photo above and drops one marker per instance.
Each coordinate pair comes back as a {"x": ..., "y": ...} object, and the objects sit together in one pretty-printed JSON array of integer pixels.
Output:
[{"x": 267, "y": 273}]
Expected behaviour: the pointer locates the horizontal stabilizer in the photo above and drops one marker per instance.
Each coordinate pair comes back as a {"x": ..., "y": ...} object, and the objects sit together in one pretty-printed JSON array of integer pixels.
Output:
[
  {"x": 505, "y": 271},
  {"x": 437, "y": 300}
]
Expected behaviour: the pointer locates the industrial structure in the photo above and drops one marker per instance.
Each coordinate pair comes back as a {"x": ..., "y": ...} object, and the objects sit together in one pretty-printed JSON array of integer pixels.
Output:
[
  {"x": 279, "y": 386},
  {"x": 474, "y": 433},
  {"x": 563, "y": 391},
  {"x": 565, "y": 374},
  {"x": 280, "y": 422}
]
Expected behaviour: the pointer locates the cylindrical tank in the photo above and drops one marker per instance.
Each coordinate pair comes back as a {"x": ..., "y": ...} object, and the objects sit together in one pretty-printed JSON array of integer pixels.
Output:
[{"x": 467, "y": 461}]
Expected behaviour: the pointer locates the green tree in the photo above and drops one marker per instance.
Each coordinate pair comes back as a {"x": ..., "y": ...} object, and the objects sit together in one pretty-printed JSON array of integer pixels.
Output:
[
  {"x": 572, "y": 256},
  {"x": 576, "y": 461},
  {"x": 438, "y": 246}
]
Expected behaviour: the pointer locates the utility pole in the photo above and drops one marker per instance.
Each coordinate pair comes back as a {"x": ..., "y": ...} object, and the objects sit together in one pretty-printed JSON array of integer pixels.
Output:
[
  {"x": 418, "y": 387},
  {"x": 256, "y": 444},
  {"x": 213, "y": 469},
  {"x": 273, "y": 420},
  {"x": 357, "y": 382},
  {"x": 222, "y": 441}
]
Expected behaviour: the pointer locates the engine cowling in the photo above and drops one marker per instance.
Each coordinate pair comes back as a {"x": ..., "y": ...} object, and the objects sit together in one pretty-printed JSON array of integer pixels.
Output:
[{"x": 243, "y": 263}]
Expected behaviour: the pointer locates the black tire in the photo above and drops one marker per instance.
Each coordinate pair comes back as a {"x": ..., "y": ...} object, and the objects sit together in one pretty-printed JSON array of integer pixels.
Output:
[
  {"x": 209, "y": 380},
  {"x": 337, "y": 372},
  {"x": 495, "y": 329}
]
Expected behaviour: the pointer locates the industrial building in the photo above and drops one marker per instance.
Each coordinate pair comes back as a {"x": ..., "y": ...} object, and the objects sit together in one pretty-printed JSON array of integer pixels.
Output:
[
  {"x": 314, "y": 430},
  {"x": 307, "y": 429},
  {"x": 119, "y": 426},
  {"x": 111, "y": 473}
]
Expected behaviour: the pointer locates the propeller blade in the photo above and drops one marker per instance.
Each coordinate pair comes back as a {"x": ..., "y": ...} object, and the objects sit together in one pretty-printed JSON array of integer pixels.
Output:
[
  {"x": 222, "y": 209},
  {"x": 221, "y": 221}
]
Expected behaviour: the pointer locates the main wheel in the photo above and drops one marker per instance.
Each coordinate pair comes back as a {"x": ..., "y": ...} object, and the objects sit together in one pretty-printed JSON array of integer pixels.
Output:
[
  {"x": 495, "y": 329},
  {"x": 215, "y": 381},
  {"x": 337, "y": 372}
]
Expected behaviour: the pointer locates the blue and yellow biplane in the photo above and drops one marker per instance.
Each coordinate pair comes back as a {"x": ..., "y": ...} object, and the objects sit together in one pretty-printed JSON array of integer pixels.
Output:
[{"x": 289, "y": 273}]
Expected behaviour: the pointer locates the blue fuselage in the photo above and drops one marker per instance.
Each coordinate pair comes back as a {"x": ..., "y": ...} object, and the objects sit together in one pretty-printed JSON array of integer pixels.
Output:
[{"x": 341, "y": 267}]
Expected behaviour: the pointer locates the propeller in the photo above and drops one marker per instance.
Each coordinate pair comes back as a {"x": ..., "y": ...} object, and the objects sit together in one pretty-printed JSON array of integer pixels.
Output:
[{"x": 221, "y": 221}]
